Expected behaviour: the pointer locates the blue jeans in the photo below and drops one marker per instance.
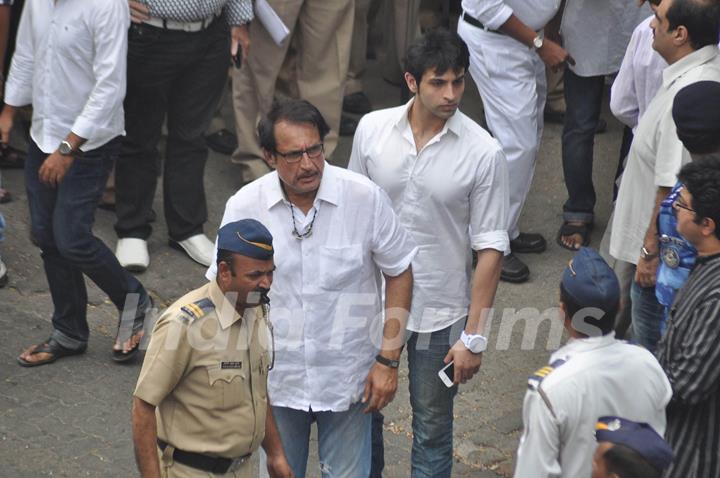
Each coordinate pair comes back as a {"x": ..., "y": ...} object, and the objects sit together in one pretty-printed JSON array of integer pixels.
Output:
[
  {"x": 647, "y": 316},
  {"x": 583, "y": 96},
  {"x": 61, "y": 226},
  {"x": 343, "y": 440},
  {"x": 431, "y": 402}
]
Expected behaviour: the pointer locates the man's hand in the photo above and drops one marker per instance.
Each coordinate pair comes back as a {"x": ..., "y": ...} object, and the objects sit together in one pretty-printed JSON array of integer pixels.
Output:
[
  {"x": 240, "y": 36},
  {"x": 380, "y": 387},
  {"x": 6, "y": 123},
  {"x": 54, "y": 168},
  {"x": 278, "y": 466},
  {"x": 553, "y": 55},
  {"x": 646, "y": 272},
  {"x": 139, "y": 12},
  {"x": 466, "y": 364}
]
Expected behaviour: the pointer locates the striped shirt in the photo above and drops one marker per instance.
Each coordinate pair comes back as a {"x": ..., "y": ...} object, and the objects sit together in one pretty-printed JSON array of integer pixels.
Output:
[
  {"x": 237, "y": 12},
  {"x": 689, "y": 353}
]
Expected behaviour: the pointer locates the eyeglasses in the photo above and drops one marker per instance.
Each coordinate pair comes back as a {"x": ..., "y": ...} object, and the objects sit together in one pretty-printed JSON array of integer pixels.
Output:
[
  {"x": 314, "y": 152},
  {"x": 679, "y": 204}
]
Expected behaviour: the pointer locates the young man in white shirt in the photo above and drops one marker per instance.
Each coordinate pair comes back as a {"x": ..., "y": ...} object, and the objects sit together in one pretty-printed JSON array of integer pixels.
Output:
[
  {"x": 69, "y": 63},
  {"x": 448, "y": 182},
  {"x": 334, "y": 233}
]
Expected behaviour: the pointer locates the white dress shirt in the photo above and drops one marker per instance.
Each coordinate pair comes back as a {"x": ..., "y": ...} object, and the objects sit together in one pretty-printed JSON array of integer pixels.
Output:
[
  {"x": 451, "y": 196},
  {"x": 601, "y": 376},
  {"x": 326, "y": 304},
  {"x": 596, "y": 33},
  {"x": 656, "y": 154},
  {"x": 70, "y": 63},
  {"x": 639, "y": 78},
  {"x": 494, "y": 13}
]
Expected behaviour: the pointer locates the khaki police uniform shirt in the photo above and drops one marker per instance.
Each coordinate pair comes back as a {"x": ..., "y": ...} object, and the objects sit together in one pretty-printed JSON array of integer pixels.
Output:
[{"x": 209, "y": 386}]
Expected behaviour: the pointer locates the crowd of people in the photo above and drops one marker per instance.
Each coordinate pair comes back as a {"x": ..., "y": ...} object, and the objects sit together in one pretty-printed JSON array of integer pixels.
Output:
[{"x": 321, "y": 276}]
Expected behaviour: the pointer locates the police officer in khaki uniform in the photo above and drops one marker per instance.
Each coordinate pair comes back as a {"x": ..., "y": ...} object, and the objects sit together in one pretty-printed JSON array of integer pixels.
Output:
[{"x": 200, "y": 407}]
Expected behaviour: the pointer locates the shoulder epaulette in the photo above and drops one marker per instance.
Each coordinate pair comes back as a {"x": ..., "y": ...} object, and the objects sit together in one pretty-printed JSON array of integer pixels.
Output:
[
  {"x": 197, "y": 309},
  {"x": 536, "y": 379}
]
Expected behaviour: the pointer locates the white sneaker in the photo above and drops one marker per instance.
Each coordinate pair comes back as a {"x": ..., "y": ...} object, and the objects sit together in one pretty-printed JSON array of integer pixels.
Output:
[
  {"x": 3, "y": 274},
  {"x": 198, "y": 247},
  {"x": 132, "y": 253}
]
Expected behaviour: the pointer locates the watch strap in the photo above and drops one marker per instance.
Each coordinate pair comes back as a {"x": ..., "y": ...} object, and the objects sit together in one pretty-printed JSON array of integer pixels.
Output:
[{"x": 387, "y": 362}]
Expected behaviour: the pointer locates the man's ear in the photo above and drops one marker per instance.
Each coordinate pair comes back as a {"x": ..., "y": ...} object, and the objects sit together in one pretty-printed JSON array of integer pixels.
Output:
[
  {"x": 224, "y": 276},
  {"x": 708, "y": 226},
  {"x": 269, "y": 158},
  {"x": 681, "y": 36},
  {"x": 411, "y": 83}
]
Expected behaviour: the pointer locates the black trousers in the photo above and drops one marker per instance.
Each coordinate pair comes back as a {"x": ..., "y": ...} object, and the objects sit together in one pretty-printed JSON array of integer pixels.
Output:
[{"x": 178, "y": 75}]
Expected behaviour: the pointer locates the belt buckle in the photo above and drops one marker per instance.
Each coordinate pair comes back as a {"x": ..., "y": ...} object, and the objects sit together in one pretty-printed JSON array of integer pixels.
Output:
[{"x": 237, "y": 463}]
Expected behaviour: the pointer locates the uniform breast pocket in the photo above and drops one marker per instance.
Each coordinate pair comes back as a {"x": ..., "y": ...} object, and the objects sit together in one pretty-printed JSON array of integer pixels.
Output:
[
  {"x": 339, "y": 266},
  {"x": 228, "y": 385}
]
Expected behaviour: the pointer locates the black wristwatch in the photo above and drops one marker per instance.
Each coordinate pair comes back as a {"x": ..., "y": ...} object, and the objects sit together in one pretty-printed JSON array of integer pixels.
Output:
[{"x": 387, "y": 362}]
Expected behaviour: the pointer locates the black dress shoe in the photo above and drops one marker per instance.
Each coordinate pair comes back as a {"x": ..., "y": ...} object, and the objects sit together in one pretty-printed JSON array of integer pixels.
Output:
[
  {"x": 528, "y": 242},
  {"x": 357, "y": 104},
  {"x": 514, "y": 270},
  {"x": 348, "y": 126}
]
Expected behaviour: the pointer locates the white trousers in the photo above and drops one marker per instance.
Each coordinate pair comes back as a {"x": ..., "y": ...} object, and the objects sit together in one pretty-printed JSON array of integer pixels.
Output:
[{"x": 512, "y": 84}]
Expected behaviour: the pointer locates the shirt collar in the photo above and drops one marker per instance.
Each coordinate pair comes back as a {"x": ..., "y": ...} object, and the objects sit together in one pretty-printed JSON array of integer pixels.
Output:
[
  {"x": 402, "y": 122},
  {"x": 226, "y": 312},
  {"x": 685, "y": 64},
  {"x": 329, "y": 190},
  {"x": 706, "y": 259},
  {"x": 576, "y": 346}
]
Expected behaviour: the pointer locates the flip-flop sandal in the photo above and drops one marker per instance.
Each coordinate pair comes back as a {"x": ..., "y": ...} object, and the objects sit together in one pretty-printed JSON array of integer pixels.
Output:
[
  {"x": 138, "y": 324},
  {"x": 11, "y": 158},
  {"x": 568, "y": 229},
  {"x": 51, "y": 347},
  {"x": 5, "y": 196},
  {"x": 223, "y": 141}
]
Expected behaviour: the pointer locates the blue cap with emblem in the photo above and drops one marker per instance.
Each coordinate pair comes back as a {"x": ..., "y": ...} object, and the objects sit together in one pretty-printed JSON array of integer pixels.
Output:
[
  {"x": 247, "y": 237},
  {"x": 637, "y": 436},
  {"x": 590, "y": 281}
]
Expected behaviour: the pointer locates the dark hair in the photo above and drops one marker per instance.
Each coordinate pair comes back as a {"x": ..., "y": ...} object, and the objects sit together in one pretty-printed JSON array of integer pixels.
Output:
[
  {"x": 438, "y": 49},
  {"x": 627, "y": 463},
  {"x": 700, "y": 17},
  {"x": 223, "y": 255},
  {"x": 292, "y": 111},
  {"x": 578, "y": 317},
  {"x": 702, "y": 180}
]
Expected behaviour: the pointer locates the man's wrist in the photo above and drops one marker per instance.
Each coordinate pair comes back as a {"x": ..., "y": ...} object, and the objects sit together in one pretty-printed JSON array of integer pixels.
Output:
[
  {"x": 388, "y": 362},
  {"x": 648, "y": 253}
]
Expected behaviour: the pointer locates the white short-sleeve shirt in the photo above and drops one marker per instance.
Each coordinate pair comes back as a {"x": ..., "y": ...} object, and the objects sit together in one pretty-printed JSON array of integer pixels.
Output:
[
  {"x": 656, "y": 154},
  {"x": 451, "y": 196},
  {"x": 326, "y": 306}
]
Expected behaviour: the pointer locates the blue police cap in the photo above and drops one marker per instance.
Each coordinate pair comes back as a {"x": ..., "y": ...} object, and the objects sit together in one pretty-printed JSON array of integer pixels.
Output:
[
  {"x": 696, "y": 112},
  {"x": 637, "y": 436},
  {"x": 247, "y": 237},
  {"x": 590, "y": 281}
]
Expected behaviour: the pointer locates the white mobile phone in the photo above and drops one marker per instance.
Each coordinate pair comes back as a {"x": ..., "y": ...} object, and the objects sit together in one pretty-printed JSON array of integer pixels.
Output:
[{"x": 447, "y": 374}]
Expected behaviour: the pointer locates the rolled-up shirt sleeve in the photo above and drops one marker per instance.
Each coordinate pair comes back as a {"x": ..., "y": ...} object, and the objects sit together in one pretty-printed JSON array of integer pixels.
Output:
[
  {"x": 489, "y": 204},
  {"x": 392, "y": 246},
  {"x": 491, "y": 13},
  {"x": 110, "y": 70},
  {"x": 239, "y": 12},
  {"x": 19, "y": 85}
]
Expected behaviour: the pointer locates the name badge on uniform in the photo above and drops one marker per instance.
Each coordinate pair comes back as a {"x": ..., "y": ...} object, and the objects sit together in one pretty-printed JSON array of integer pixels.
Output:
[{"x": 225, "y": 365}]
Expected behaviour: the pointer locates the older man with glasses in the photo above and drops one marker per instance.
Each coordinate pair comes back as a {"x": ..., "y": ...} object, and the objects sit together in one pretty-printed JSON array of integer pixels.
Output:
[{"x": 335, "y": 233}]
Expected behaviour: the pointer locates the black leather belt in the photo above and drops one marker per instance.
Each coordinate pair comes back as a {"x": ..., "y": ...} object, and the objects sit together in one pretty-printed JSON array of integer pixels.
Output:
[
  {"x": 477, "y": 23},
  {"x": 211, "y": 464}
]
